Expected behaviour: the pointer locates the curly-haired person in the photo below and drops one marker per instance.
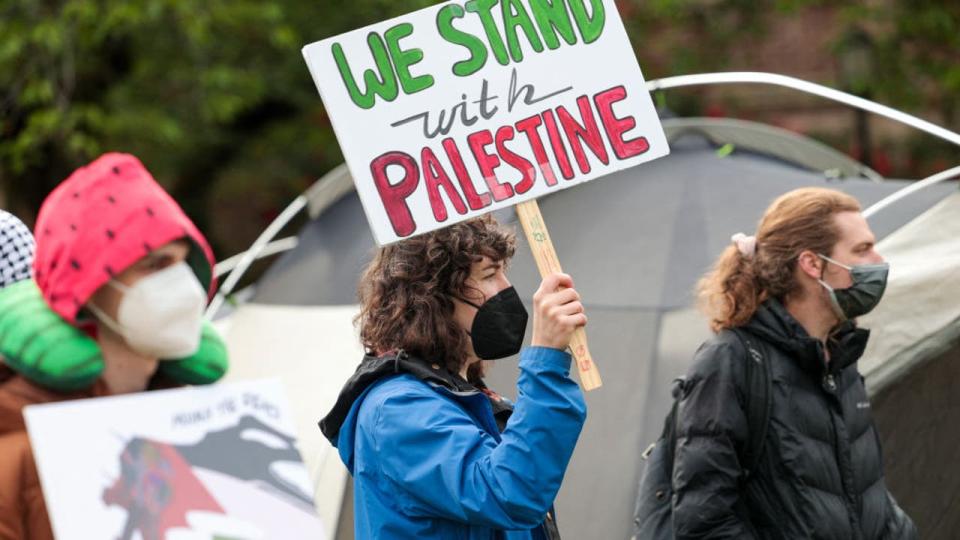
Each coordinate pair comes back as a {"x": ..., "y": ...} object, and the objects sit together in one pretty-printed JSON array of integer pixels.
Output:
[{"x": 433, "y": 452}]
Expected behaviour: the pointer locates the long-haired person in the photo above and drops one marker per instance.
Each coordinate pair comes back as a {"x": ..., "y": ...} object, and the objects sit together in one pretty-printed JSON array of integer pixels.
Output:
[{"x": 794, "y": 290}]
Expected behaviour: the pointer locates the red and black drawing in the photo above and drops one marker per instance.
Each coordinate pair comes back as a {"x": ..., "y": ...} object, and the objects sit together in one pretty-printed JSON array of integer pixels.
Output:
[{"x": 159, "y": 484}]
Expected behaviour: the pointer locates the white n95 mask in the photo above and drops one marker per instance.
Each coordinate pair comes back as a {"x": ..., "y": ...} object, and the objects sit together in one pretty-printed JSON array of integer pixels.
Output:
[{"x": 161, "y": 315}]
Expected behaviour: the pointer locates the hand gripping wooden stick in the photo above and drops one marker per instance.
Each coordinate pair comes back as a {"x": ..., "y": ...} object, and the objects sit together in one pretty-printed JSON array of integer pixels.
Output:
[{"x": 547, "y": 262}]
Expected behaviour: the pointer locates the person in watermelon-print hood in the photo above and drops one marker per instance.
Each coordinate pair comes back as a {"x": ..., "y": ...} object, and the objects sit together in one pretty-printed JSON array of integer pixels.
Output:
[
  {"x": 115, "y": 305},
  {"x": 433, "y": 452},
  {"x": 786, "y": 300}
]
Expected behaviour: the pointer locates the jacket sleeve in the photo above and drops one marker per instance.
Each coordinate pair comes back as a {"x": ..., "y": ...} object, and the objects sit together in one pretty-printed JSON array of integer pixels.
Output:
[
  {"x": 23, "y": 514},
  {"x": 711, "y": 428},
  {"x": 446, "y": 466},
  {"x": 899, "y": 526}
]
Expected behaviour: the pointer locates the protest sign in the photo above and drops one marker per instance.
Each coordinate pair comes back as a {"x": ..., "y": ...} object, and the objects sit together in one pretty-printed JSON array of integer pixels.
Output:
[
  {"x": 466, "y": 107},
  {"x": 470, "y": 106},
  {"x": 192, "y": 463}
]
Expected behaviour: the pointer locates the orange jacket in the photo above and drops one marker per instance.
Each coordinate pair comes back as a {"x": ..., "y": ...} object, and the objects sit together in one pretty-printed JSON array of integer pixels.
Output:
[{"x": 23, "y": 514}]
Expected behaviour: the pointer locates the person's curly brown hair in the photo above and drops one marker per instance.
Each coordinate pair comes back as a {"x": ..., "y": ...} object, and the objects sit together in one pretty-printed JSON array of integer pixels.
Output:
[{"x": 406, "y": 293}]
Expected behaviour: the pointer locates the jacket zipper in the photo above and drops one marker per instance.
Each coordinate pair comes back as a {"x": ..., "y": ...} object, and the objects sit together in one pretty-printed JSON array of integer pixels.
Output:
[{"x": 837, "y": 416}]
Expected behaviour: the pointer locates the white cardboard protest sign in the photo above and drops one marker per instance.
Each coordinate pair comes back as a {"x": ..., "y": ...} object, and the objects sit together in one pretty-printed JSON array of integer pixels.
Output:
[
  {"x": 469, "y": 106},
  {"x": 186, "y": 464}
]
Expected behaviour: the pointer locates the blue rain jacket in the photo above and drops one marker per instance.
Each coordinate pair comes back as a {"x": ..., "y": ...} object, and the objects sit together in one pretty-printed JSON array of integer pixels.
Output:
[{"x": 429, "y": 462}]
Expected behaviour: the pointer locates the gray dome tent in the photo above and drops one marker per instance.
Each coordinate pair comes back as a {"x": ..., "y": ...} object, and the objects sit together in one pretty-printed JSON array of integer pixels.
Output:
[{"x": 635, "y": 242}]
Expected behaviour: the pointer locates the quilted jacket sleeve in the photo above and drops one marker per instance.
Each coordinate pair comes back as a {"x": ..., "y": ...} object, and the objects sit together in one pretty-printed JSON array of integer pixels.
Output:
[
  {"x": 711, "y": 427},
  {"x": 899, "y": 526}
]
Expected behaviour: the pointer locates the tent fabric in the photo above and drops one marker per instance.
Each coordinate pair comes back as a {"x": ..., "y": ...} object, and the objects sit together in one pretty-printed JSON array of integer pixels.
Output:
[
  {"x": 312, "y": 350},
  {"x": 917, "y": 421},
  {"x": 778, "y": 142},
  {"x": 912, "y": 368},
  {"x": 635, "y": 242},
  {"x": 920, "y": 312},
  {"x": 678, "y": 193},
  {"x": 668, "y": 228}
]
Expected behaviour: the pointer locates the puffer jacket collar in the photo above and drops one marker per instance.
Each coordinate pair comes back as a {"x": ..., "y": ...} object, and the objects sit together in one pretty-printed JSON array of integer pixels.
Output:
[{"x": 773, "y": 323}]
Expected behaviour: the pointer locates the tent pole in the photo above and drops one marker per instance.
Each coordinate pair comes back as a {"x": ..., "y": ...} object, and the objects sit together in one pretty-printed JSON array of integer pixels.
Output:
[
  {"x": 279, "y": 223},
  {"x": 274, "y": 247},
  {"x": 754, "y": 77},
  {"x": 911, "y": 189}
]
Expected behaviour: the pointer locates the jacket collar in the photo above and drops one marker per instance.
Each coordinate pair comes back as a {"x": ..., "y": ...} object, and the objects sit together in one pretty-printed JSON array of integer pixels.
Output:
[
  {"x": 374, "y": 368},
  {"x": 775, "y": 324}
]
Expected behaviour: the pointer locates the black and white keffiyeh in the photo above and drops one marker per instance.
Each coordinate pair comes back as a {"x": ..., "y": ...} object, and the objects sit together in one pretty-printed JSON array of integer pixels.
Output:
[{"x": 16, "y": 250}]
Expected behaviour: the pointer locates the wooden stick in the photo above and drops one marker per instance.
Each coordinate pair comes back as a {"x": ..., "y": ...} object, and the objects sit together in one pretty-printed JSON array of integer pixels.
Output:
[{"x": 539, "y": 239}]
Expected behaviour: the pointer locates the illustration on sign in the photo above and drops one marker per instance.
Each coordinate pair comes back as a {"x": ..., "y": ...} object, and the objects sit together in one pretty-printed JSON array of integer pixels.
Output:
[{"x": 227, "y": 469}]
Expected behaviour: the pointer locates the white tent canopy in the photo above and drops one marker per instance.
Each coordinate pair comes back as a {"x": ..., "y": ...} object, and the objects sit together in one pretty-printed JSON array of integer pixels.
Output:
[
  {"x": 920, "y": 313},
  {"x": 306, "y": 348}
]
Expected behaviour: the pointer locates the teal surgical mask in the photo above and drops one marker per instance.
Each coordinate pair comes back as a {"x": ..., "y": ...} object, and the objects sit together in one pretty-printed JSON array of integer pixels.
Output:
[{"x": 869, "y": 283}]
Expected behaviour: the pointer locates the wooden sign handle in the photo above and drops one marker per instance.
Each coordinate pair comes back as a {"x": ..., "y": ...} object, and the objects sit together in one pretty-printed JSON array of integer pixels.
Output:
[{"x": 539, "y": 239}]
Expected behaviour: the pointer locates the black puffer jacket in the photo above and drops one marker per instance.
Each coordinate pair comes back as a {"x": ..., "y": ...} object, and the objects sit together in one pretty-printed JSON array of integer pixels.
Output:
[{"x": 821, "y": 472}]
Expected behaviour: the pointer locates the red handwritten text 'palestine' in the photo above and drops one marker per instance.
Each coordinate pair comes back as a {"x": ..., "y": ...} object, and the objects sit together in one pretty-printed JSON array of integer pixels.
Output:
[{"x": 559, "y": 124}]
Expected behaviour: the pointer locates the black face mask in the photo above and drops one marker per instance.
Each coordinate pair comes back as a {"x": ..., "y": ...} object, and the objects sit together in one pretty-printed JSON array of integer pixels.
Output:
[{"x": 499, "y": 326}]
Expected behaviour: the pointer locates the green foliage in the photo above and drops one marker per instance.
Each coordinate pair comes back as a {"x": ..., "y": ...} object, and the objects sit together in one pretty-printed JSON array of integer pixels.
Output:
[
  {"x": 913, "y": 50},
  {"x": 919, "y": 57}
]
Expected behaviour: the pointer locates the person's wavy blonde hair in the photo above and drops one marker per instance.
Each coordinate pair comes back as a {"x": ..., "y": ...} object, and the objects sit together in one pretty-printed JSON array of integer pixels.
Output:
[
  {"x": 798, "y": 221},
  {"x": 406, "y": 293}
]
